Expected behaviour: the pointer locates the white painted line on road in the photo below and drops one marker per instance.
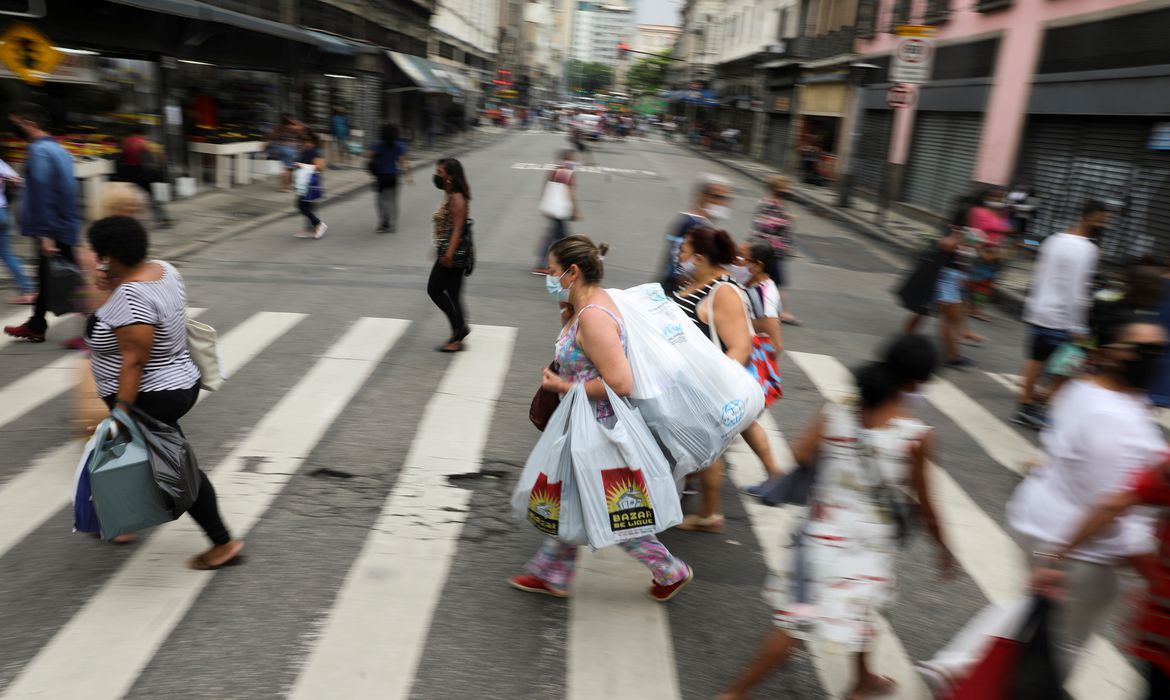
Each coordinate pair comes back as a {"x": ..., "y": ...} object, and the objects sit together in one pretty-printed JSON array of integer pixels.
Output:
[
  {"x": 609, "y": 594},
  {"x": 371, "y": 644},
  {"x": 991, "y": 557},
  {"x": 1011, "y": 382},
  {"x": 105, "y": 646},
  {"x": 997, "y": 439},
  {"x": 32, "y": 497},
  {"x": 36, "y": 388}
]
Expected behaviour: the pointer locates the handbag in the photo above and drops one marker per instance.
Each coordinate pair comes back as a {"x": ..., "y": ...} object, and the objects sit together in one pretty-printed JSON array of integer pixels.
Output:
[
  {"x": 64, "y": 286},
  {"x": 203, "y": 345},
  {"x": 125, "y": 495},
  {"x": 760, "y": 364},
  {"x": 544, "y": 404}
]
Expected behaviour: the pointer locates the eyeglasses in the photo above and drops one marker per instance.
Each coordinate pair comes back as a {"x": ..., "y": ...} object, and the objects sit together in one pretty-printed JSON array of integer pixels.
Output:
[{"x": 1143, "y": 349}]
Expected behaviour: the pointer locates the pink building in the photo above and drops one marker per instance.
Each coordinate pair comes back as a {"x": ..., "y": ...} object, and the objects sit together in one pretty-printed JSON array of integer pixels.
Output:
[{"x": 1072, "y": 95}]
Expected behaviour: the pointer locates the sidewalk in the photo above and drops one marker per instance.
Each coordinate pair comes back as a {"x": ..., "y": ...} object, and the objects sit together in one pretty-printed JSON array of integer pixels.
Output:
[
  {"x": 214, "y": 215},
  {"x": 906, "y": 235}
]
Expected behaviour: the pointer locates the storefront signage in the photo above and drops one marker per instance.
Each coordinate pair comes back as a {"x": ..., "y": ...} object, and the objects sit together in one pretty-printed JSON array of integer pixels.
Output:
[
  {"x": 28, "y": 54},
  {"x": 782, "y": 103},
  {"x": 901, "y": 96},
  {"x": 914, "y": 56}
]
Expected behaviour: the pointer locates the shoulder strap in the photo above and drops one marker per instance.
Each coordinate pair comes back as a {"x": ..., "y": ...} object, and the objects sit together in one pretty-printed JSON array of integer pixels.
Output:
[{"x": 611, "y": 314}]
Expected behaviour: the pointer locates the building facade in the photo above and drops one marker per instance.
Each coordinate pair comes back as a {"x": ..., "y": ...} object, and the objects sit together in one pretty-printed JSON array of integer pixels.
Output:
[
  {"x": 656, "y": 38},
  {"x": 598, "y": 28},
  {"x": 463, "y": 43},
  {"x": 1073, "y": 96}
]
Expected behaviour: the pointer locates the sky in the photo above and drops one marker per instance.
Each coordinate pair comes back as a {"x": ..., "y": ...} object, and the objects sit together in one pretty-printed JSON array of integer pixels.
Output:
[{"x": 658, "y": 11}]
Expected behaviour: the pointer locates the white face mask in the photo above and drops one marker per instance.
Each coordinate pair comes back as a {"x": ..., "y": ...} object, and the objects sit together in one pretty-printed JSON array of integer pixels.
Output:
[
  {"x": 741, "y": 274},
  {"x": 718, "y": 212}
]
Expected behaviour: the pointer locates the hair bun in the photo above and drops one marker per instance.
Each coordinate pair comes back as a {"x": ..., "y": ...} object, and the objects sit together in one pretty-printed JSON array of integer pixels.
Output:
[{"x": 602, "y": 249}]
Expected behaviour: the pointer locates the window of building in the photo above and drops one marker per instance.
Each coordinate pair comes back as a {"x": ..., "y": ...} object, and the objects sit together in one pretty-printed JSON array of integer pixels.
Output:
[
  {"x": 989, "y": 5},
  {"x": 900, "y": 14},
  {"x": 782, "y": 25}
]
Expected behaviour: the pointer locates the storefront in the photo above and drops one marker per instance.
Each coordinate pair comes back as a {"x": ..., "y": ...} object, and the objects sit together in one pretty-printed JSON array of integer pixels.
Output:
[
  {"x": 943, "y": 154},
  {"x": 419, "y": 98}
]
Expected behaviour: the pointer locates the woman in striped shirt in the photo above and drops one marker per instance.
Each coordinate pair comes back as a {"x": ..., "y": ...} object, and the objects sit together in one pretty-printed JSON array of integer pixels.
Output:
[{"x": 138, "y": 344}]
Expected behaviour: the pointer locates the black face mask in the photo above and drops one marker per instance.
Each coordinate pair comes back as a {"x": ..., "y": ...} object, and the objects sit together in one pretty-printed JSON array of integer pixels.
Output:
[
  {"x": 1142, "y": 372},
  {"x": 439, "y": 183},
  {"x": 1096, "y": 232}
]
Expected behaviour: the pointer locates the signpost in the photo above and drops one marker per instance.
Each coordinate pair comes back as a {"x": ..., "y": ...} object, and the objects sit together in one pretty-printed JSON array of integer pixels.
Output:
[
  {"x": 914, "y": 57},
  {"x": 28, "y": 53},
  {"x": 901, "y": 96}
]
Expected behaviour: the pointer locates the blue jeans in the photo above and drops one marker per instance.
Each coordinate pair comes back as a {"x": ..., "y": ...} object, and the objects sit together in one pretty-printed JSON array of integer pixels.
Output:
[{"x": 14, "y": 263}]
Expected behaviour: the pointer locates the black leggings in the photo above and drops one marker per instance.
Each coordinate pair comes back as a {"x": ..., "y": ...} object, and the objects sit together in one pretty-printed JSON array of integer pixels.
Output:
[
  {"x": 305, "y": 206},
  {"x": 445, "y": 288},
  {"x": 168, "y": 407}
]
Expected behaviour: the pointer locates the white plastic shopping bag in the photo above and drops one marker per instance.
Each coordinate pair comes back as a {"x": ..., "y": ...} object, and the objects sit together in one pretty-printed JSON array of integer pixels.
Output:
[
  {"x": 621, "y": 476},
  {"x": 694, "y": 398},
  {"x": 555, "y": 203},
  {"x": 544, "y": 495}
]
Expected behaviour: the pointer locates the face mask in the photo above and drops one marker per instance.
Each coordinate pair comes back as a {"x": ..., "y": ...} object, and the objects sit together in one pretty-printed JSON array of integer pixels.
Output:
[
  {"x": 1140, "y": 373},
  {"x": 1095, "y": 232},
  {"x": 439, "y": 183},
  {"x": 102, "y": 267},
  {"x": 687, "y": 267},
  {"x": 718, "y": 212},
  {"x": 741, "y": 274},
  {"x": 553, "y": 285}
]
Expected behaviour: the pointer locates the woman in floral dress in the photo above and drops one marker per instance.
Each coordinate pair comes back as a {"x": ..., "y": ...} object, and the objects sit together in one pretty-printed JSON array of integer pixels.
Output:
[
  {"x": 773, "y": 223},
  {"x": 866, "y": 454}
]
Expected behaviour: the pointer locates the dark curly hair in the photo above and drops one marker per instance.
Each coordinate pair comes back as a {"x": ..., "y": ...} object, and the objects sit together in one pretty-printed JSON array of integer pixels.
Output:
[{"x": 120, "y": 238}]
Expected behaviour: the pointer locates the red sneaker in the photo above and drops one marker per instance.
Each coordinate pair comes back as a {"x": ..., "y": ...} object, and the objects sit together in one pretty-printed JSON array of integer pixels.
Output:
[
  {"x": 77, "y": 343},
  {"x": 664, "y": 593},
  {"x": 24, "y": 333},
  {"x": 532, "y": 584}
]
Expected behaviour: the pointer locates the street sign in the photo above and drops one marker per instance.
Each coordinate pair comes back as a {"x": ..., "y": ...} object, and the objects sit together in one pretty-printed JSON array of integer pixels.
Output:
[
  {"x": 27, "y": 53},
  {"x": 914, "y": 56},
  {"x": 901, "y": 96}
]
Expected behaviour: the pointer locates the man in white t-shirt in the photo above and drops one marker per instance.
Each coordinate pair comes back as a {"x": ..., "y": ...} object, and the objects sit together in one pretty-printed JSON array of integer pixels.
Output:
[{"x": 1057, "y": 307}]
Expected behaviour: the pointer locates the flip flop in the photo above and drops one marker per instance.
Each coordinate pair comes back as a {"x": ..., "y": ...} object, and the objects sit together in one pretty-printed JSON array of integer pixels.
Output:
[
  {"x": 200, "y": 563},
  {"x": 457, "y": 346},
  {"x": 889, "y": 685}
]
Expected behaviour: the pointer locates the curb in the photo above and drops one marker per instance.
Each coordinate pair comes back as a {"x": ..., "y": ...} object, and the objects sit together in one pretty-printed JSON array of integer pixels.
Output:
[
  {"x": 1011, "y": 300},
  {"x": 184, "y": 249}
]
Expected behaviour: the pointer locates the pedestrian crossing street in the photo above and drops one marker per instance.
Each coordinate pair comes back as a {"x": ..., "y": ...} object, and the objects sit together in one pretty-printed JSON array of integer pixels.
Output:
[{"x": 371, "y": 640}]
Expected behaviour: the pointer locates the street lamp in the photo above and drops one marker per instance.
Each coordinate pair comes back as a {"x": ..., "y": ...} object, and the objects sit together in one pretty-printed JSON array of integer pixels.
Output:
[{"x": 857, "y": 75}]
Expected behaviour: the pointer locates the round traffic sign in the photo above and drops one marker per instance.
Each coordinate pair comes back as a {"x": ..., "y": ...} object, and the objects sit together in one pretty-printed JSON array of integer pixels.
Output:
[
  {"x": 914, "y": 50},
  {"x": 901, "y": 96}
]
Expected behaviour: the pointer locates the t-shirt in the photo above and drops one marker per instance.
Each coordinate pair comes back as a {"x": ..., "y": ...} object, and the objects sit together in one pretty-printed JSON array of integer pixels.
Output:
[
  {"x": 308, "y": 155},
  {"x": 162, "y": 304},
  {"x": 1098, "y": 441},
  {"x": 1152, "y": 622},
  {"x": 765, "y": 299},
  {"x": 1060, "y": 296},
  {"x": 387, "y": 156}
]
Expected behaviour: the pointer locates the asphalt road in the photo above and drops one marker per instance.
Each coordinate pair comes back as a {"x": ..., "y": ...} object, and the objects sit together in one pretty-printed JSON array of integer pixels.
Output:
[{"x": 320, "y": 442}]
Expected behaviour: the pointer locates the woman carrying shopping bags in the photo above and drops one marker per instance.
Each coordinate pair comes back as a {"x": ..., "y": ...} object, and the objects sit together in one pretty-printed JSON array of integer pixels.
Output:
[
  {"x": 845, "y": 559},
  {"x": 591, "y": 349},
  {"x": 713, "y": 298},
  {"x": 309, "y": 185},
  {"x": 138, "y": 341}
]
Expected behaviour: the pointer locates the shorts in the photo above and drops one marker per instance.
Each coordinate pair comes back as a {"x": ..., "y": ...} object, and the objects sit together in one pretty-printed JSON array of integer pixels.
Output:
[
  {"x": 287, "y": 155},
  {"x": 1044, "y": 341},
  {"x": 949, "y": 289}
]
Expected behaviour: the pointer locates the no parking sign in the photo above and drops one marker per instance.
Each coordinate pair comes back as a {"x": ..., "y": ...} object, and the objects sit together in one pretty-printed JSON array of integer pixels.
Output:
[{"x": 914, "y": 56}]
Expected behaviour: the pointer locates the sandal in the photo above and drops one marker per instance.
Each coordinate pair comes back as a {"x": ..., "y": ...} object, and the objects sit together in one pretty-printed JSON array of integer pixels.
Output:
[
  {"x": 697, "y": 523},
  {"x": 202, "y": 563},
  {"x": 453, "y": 346},
  {"x": 888, "y": 686}
]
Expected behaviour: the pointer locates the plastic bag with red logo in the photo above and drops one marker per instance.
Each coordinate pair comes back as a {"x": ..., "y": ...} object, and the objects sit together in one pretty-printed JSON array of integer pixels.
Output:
[{"x": 545, "y": 496}]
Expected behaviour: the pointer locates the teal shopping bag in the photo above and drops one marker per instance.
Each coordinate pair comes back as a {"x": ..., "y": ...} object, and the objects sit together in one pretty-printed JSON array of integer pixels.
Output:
[{"x": 122, "y": 481}]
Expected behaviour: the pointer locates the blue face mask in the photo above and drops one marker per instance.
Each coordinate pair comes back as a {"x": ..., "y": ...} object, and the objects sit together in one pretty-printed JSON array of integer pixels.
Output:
[
  {"x": 553, "y": 285},
  {"x": 687, "y": 267}
]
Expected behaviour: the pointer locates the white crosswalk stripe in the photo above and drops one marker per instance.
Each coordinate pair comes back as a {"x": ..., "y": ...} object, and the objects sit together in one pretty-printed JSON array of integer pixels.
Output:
[
  {"x": 105, "y": 646},
  {"x": 408, "y": 553},
  {"x": 407, "y": 556}
]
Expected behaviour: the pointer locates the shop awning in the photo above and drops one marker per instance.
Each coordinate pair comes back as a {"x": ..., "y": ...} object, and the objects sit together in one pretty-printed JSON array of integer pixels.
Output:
[
  {"x": 426, "y": 75},
  {"x": 193, "y": 9},
  {"x": 704, "y": 98}
]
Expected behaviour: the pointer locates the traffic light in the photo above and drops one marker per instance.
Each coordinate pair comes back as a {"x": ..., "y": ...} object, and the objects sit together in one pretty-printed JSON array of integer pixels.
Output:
[
  {"x": 623, "y": 48},
  {"x": 29, "y": 53}
]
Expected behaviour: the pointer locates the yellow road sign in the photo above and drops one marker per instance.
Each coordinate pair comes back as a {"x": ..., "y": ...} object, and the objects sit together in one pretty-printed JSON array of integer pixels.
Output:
[
  {"x": 914, "y": 30},
  {"x": 28, "y": 53}
]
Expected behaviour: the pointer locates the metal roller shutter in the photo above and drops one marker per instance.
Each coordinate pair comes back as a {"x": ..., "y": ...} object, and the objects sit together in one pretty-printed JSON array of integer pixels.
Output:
[
  {"x": 368, "y": 107},
  {"x": 777, "y": 139},
  {"x": 942, "y": 159},
  {"x": 873, "y": 149},
  {"x": 1070, "y": 160}
]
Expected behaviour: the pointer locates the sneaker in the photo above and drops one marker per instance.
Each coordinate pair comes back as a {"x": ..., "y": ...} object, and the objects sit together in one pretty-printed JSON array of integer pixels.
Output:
[
  {"x": 664, "y": 593},
  {"x": 758, "y": 490},
  {"x": 1030, "y": 416},
  {"x": 540, "y": 270},
  {"x": 303, "y": 234},
  {"x": 532, "y": 584},
  {"x": 77, "y": 343},
  {"x": 23, "y": 332},
  {"x": 320, "y": 230},
  {"x": 697, "y": 523}
]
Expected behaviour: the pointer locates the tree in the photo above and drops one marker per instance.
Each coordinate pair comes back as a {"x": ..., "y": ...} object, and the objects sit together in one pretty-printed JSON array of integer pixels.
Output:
[
  {"x": 648, "y": 75},
  {"x": 591, "y": 77}
]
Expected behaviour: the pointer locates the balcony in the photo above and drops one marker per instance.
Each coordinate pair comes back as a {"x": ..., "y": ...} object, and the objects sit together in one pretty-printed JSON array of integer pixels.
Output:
[{"x": 814, "y": 48}]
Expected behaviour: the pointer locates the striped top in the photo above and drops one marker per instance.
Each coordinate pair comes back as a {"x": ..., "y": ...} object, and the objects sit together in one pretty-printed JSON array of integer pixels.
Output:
[
  {"x": 689, "y": 303},
  {"x": 161, "y": 303}
]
